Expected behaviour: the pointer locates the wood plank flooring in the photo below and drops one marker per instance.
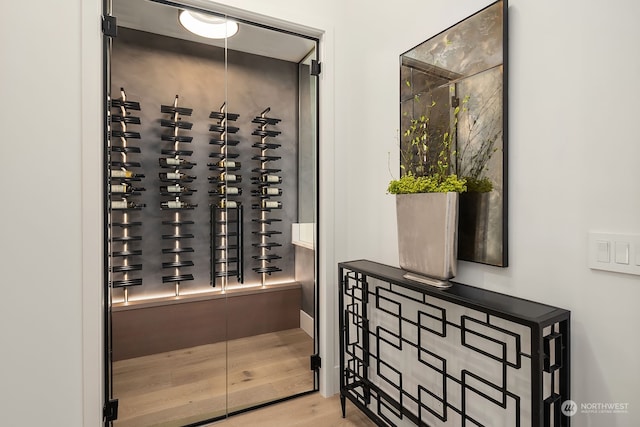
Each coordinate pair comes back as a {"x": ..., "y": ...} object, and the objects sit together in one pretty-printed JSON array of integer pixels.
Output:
[
  {"x": 311, "y": 410},
  {"x": 185, "y": 386}
]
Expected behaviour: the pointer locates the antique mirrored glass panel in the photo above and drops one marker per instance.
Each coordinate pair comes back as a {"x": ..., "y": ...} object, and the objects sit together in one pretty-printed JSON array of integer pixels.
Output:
[{"x": 454, "y": 84}]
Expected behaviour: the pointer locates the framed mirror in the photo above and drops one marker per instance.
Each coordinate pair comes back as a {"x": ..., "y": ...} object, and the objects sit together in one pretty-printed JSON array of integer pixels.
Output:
[{"x": 455, "y": 84}]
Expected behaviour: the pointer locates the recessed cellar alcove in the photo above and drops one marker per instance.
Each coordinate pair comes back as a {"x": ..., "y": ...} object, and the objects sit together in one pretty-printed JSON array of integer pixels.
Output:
[
  {"x": 154, "y": 69},
  {"x": 210, "y": 229}
]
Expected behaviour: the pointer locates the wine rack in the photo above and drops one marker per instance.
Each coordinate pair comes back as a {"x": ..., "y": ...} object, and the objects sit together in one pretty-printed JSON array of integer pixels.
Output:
[
  {"x": 173, "y": 181},
  {"x": 226, "y": 212},
  {"x": 122, "y": 192},
  {"x": 266, "y": 191}
]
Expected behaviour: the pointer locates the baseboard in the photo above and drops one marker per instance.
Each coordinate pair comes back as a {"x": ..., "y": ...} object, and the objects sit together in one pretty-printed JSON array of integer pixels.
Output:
[{"x": 306, "y": 323}]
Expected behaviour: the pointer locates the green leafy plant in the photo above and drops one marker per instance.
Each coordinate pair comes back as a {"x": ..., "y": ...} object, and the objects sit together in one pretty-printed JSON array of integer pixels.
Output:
[
  {"x": 427, "y": 158},
  {"x": 481, "y": 185},
  {"x": 410, "y": 184},
  {"x": 429, "y": 142}
]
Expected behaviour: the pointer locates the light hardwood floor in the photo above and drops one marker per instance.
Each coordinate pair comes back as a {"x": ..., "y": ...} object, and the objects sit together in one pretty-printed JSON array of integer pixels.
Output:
[
  {"x": 307, "y": 411},
  {"x": 185, "y": 386}
]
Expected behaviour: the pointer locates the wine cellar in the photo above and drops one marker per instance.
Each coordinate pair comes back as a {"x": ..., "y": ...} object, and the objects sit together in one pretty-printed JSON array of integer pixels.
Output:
[
  {"x": 212, "y": 211},
  {"x": 238, "y": 167}
]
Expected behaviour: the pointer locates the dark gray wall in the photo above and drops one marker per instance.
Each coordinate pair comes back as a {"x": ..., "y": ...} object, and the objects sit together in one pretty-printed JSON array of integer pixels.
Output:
[
  {"x": 305, "y": 275},
  {"x": 307, "y": 147},
  {"x": 153, "y": 69}
]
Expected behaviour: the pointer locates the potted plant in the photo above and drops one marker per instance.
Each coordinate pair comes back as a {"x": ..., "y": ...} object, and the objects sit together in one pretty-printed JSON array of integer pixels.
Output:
[{"x": 427, "y": 201}]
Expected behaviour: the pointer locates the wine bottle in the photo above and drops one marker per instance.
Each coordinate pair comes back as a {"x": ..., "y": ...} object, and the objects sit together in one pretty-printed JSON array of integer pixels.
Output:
[
  {"x": 224, "y": 203},
  {"x": 173, "y": 162},
  {"x": 177, "y": 188},
  {"x": 271, "y": 191},
  {"x": 228, "y": 164},
  {"x": 176, "y": 176},
  {"x": 271, "y": 204},
  {"x": 229, "y": 177},
  {"x": 275, "y": 179},
  {"x": 119, "y": 173},
  {"x": 176, "y": 204},
  {"x": 124, "y": 204},
  {"x": 232, "y": 191},
  {"x": 124, "y": 188}
]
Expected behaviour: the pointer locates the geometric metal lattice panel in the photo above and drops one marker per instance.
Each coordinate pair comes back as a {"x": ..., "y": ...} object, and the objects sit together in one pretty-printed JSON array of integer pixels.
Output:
[{"x": 415, "y": 356}]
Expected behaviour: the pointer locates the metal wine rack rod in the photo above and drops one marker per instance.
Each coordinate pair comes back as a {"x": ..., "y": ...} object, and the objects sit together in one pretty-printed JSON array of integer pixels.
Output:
[
  {"x": 173, "y": 179},
  {"x": 267, "y": 193},
  {"x": 122, "y": 194},
  {"x": 225, "y": 211}
]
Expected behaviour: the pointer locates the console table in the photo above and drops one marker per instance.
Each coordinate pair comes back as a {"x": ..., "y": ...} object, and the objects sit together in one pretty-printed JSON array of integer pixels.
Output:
[{"x": 462, "y": 356}]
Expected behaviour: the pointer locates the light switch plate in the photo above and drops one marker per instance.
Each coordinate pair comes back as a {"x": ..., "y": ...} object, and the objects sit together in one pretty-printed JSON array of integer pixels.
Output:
[
  {"x": 603, "y": 249},
  {"x": 622, "y": 252},
  {"x": 614, "y": 252}
]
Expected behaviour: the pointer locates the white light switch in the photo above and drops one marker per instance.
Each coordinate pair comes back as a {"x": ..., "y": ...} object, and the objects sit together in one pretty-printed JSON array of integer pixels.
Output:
[
  {"x": 622, "y": 252},
  {"x": 619, "y": 253},
  {"x": 602, "y": 254}
]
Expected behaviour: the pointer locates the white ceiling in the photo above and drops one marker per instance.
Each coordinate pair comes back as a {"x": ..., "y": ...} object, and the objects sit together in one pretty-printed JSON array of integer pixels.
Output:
[{"x": 152, "y": 17}]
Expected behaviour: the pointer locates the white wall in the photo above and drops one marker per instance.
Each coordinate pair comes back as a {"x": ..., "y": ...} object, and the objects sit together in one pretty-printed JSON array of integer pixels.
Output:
[
  {"x": 574, "y": 69},
  {"x": 573, "y": 160},
  {"x": 40, "y": 251}
]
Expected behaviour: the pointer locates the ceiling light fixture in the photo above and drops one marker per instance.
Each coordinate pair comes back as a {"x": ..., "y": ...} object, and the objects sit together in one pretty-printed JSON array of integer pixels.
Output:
[{"x": 209, "y": 26}]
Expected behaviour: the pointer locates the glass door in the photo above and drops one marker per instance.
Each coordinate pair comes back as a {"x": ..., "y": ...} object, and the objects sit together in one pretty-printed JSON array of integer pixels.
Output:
[
  {"x": 270, "y": 321},
  {"x": 211, "y": 178}
]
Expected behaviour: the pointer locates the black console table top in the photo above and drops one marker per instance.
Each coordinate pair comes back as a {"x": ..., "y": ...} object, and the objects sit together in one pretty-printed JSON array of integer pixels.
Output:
[{"x": 516, "y": 309}]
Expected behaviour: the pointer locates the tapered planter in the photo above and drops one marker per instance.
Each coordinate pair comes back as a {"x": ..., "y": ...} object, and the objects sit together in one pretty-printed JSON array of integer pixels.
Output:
[{"x": 427, "y": 236}]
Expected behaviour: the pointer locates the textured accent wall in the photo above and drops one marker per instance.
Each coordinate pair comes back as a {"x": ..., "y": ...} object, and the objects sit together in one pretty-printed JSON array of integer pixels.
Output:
[{"x": 153, "y": 69}]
